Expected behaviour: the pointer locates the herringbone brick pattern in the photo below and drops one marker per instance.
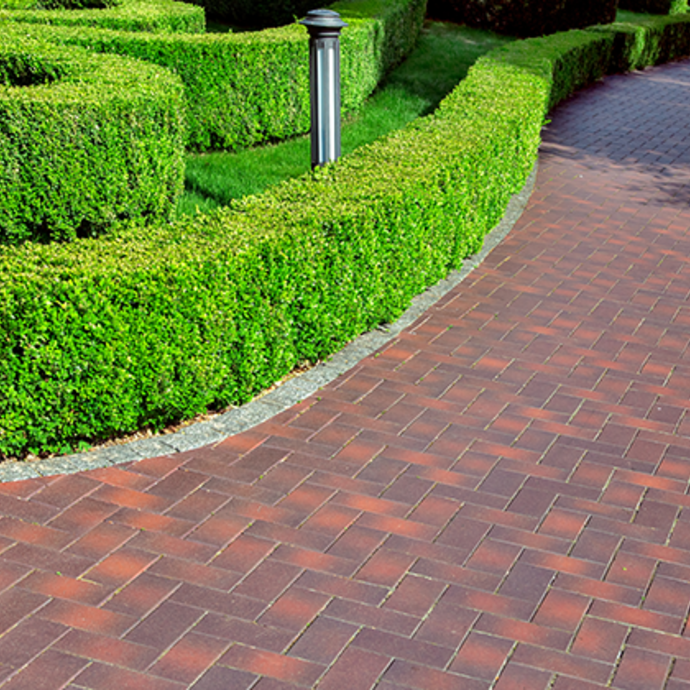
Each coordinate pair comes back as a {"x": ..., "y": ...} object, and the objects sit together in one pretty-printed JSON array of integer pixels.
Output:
[{"x": 496, "y": 500}]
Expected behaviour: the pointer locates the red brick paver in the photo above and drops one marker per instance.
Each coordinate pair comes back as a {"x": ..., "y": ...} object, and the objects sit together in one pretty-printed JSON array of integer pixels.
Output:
[{"x": 497, "y": 500}]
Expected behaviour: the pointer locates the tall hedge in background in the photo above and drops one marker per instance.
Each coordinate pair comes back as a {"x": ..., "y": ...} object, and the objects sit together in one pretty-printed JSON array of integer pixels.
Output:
[
  {"x": 655, "y": 6},
  {"x": 257, "y": 14},
  {"x": 526, "y": 17},
  {"x": 579, "y": 14}
]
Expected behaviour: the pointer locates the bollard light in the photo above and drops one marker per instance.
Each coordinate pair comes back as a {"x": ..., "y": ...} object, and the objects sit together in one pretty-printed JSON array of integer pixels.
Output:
[{"x": 324, "y": 82}]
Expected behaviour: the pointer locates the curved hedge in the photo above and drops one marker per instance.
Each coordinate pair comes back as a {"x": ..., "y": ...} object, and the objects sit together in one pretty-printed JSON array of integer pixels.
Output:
[
  {"x": 244, "y": 89},
  {"x": 86, "y": 141},
  {"x": 145, "y": 327},
  {"x": 157, "y": 16}
]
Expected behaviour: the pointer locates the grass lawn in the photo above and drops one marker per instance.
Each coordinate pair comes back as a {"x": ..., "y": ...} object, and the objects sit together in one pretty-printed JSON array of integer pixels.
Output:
[{"x": 441, "y": 59}]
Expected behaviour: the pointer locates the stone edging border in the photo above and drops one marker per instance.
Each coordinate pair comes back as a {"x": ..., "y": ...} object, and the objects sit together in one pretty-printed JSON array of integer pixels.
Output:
[{"x": 284, "y": 396}]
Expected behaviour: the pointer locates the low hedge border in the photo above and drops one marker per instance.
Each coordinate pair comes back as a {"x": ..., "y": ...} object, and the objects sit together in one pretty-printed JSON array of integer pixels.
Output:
[
  {"x": 142, "y": 328},
  {"x": 647, "y": 42},
  {"x": 290, "y": 392},
  {"x": 86, "y": 141},
  {"x": 156, "y": 16},
  {"x": 248, "y": 88}
]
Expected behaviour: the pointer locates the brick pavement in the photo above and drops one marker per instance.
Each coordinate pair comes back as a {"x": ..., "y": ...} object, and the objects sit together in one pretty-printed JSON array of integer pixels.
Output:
[{"x": 497, "y": 499}]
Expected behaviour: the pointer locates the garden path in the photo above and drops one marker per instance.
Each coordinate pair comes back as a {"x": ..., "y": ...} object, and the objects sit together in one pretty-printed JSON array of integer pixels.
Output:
[{"x": 496, "y": 499}]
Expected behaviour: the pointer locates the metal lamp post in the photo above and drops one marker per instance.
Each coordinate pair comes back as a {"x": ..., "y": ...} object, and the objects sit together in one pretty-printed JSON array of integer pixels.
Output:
[{"x": 324, "y": 81}]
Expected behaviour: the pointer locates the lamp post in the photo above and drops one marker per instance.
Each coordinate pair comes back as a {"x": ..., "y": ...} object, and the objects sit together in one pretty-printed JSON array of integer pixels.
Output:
[{"x": 324, "y": 82}]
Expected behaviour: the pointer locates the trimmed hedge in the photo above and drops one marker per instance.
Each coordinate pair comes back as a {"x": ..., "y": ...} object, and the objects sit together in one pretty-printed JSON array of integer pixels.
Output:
[
  {"x": 58, "y": 4},
  {"x": 655, "y": 6},
  {"x": 526, "y": 18},
  {"x": 69, "y": 4},
  {"x": 244, "y": 89},
  {"x": 648, "y": 42},
  {"x": 157, "y": 16},
  {"x": 146, "y": 327},
  {"x": 86, "y": 141}
]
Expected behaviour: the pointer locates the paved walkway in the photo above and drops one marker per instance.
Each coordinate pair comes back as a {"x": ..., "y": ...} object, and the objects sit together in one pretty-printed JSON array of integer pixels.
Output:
[{"x": 497, "y": 499}]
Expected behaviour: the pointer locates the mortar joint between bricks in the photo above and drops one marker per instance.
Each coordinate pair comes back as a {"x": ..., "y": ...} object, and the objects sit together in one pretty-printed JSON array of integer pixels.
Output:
[
  {"x": 571, "y": 474},
  {"x": 552, "y": 682},
  {"x": 669, "y": 375},
  {"x": 645, "y": 594},
  {"x": 605, "y": 486},
  {"x": 509, "y": 656},
  {"x": 614, "y": 554},
  {"x": 414, "y": 506},
  {"x": 576, "y": 632},
  {"x": 619, "y": 657},
  {"x": 671, "y": 668},
  {"x": 579, "y": 534},
  {"x": 671, "y": 532},
  {"x": 638, "y": 505},
  {"x": 576, "y": 411}
]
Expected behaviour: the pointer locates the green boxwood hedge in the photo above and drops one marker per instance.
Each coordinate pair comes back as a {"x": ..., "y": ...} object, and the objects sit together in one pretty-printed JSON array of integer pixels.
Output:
[
  {"x": 86, "y": 141},
  {"x": 247, "y": 88},
  {"x": 58, "y": 4},
  {"x": 158, "y": 16},
  {"x": 144, "y": 327},
  {"x": 653, "y": 41}
]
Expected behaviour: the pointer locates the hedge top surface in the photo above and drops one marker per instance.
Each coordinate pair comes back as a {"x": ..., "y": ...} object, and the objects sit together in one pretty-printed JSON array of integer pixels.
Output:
[
  {"x": 157, "y": 16},
  {"x": 32, "y": 70},
  {"x": 359, "y": 14},
  {"x": 168, "y": 16}
]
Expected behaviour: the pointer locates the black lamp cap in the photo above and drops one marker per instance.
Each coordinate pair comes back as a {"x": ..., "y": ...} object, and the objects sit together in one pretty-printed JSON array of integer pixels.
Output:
[{"x": 323, "y": 21}]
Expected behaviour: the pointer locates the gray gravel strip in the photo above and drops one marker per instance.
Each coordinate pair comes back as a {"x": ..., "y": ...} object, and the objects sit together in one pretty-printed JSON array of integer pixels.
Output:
[{"x": 284, "y": 396}]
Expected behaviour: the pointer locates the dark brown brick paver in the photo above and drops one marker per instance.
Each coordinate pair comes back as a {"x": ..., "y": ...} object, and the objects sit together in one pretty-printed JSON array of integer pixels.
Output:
[{"x": 497, "y": 500}]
